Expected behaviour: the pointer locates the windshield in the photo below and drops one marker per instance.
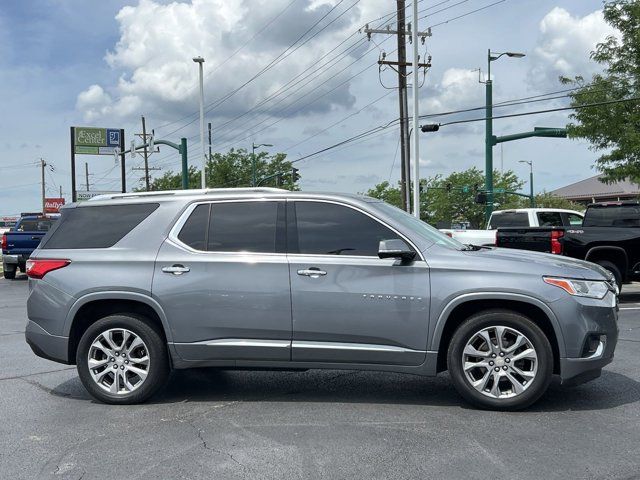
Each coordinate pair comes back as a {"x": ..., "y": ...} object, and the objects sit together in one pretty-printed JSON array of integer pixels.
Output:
[{"x": 421, "y": 228}]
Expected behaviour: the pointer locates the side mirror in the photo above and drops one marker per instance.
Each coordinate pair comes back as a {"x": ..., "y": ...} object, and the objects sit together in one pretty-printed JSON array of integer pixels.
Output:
[{"x": 395, "y": 248}]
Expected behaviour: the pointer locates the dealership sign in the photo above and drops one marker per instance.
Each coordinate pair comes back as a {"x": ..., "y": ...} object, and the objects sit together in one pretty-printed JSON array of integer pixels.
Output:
[
  {"x": 82, "y": 196},
  {"x": 95, "y": 141},
  {"x": 53, "y": 205}
]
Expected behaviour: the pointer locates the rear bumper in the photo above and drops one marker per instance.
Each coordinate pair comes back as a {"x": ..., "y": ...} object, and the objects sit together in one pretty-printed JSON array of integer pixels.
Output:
[
  {"x": 14, "y": 259},
  {"x": 45, "y": 345}
]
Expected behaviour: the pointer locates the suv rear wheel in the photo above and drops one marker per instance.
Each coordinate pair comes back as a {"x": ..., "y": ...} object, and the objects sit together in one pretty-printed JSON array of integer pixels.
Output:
[
  {"x": 122, "y": 359},
  {"x": 500, "y": 360}
]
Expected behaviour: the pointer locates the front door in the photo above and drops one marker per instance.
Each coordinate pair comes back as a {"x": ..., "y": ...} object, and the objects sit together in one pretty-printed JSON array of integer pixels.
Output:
[
  {"x": 222, "y": 279},
  {"x": 348, "y": 305}
]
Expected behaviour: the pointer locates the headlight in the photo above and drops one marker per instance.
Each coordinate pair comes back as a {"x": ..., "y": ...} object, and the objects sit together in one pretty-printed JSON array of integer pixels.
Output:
[{"x": 580, "y": 288}]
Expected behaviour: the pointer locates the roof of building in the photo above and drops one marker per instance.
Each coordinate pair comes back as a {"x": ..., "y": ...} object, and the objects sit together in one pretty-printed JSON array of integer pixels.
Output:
[{"x": 593, "y": 188}]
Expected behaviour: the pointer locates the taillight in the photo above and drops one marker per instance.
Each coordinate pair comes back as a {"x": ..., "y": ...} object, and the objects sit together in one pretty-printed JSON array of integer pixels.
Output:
[
  {"x": 556, "y": 244},
  {"x": 4, "y": 241},
  {"x": 496, "y": 239},
  {"x": 38, "y": 268},
  {"x": 449, "y": 234}
]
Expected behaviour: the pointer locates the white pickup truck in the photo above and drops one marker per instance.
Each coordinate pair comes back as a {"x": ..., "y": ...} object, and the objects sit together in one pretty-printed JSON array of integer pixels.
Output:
[{"x": 521, "y": 217}]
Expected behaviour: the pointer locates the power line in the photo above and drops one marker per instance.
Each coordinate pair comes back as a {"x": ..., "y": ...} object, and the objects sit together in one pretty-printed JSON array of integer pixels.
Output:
[
  {"x": 537, "y": 112},
  {"x": 467, "y": 14}
]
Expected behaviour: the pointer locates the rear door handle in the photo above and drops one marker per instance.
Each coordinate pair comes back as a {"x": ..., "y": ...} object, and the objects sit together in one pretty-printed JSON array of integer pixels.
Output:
[
  {"x": 176, "y": 269},
  {"x": 312, "y": 272}
]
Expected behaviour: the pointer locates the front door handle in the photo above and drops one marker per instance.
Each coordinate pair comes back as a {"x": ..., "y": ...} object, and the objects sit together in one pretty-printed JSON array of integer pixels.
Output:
[
  {"x": 312, "y": 272},
  {"x": 176, "y": 269}
]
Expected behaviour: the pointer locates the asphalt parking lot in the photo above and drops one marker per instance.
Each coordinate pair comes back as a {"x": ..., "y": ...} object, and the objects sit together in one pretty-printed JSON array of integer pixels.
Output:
[{"x": 316, "y": 424}]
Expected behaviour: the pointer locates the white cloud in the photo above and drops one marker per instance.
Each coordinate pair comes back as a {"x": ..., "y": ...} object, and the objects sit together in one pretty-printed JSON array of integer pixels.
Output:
[
  {"x": 458, "y": 88},
  {"x": 565, "y": 44},
  {"x": 157, "y": 42}
]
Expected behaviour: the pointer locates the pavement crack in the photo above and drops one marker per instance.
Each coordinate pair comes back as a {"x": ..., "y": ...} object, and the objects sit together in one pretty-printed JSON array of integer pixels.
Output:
[
  {"x": 206, "y": 446},
  {"x": 18, "y": 377}
]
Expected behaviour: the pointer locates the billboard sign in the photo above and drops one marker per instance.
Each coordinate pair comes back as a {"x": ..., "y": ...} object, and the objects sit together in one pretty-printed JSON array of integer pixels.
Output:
[
  {"x": 53, "y": 205},
  {"x": 82, "y": 196},
  {"x": 95, "y": 141}
]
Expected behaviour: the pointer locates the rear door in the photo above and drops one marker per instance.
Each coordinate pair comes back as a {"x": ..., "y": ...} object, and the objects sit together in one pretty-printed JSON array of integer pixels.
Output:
[
  {"x": 223, "y": 280},
  {"x": 348, "y": 305}
]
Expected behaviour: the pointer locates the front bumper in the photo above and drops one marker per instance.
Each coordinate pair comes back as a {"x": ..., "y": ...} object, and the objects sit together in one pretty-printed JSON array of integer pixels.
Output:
[
  {"x": 45, "y": 345},
  {"x": 592, "y": 318}
]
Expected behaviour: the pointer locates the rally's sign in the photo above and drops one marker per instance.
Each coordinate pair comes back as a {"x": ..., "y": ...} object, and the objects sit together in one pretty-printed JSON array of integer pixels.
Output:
[
  {"x": 53, "y": 205},
  {"x": 95, "y": 141}
]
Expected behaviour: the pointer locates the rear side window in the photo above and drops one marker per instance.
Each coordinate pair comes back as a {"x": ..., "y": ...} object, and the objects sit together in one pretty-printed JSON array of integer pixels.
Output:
[
  {"x": 96, "y": 227},
  {"x": 330, "y": 229},
  {"x": 574, "y": 220},
  {"x": 509, "y": 219},
  {"x": 549, "y": 219},
  {"x": 243, "y": 227},
  {"x": 235, "y": 227}
]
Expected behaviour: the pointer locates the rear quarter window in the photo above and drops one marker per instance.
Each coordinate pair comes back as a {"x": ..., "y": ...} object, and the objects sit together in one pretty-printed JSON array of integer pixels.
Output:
[
  {"x": 96, "y": 227},
  {"x": 509, "y": 219}
]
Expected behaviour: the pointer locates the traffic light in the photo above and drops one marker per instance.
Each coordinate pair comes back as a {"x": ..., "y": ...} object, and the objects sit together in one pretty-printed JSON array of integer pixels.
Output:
[
  {"x": 295, "y": 176},
  {"x": 448, "y": 186},
  {"x": 430, "y": 127},
  {"x": 481, "y": 198}
]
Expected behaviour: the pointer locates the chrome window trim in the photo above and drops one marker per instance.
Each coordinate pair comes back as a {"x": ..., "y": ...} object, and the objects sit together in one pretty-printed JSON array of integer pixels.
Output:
[
  {"x": 241, "y": 342},
  {"x": 175, "y": 230},
  {"x": 358, "y": 209}
]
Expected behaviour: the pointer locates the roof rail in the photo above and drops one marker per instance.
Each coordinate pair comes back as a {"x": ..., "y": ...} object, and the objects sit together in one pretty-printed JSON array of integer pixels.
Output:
[{"x": 200, "y": 191}]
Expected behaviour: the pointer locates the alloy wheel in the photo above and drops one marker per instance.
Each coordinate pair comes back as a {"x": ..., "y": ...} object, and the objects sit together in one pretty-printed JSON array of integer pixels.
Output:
[
  {"x": 118, "y": 361},
  {"x": 500, "y": 362}
]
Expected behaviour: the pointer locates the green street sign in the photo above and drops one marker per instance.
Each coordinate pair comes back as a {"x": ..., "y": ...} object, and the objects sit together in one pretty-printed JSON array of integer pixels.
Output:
[
  {"x": 465, "y": 189},
  {"x": 498, "y": 190}
]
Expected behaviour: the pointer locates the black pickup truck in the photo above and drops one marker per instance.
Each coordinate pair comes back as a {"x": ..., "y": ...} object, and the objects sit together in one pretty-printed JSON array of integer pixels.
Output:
[{"x": 609, "y": 236}]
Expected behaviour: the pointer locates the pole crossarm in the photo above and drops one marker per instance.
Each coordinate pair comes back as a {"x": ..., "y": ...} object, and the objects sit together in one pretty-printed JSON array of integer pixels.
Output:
[{"x": 537, "y": 132}]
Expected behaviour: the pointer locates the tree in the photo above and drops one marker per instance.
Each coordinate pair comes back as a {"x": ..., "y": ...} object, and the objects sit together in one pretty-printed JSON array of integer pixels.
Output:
[
  {"x": 234, "y": 169},
  {"x": 452, "y": 198},
  {"x": 549, "y": 200},
  {"x": 612, "y": 129}
]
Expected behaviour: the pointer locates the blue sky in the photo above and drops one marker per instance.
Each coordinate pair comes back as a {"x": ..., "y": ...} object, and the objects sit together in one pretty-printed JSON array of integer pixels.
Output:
[{"x": 72, "y": 62}]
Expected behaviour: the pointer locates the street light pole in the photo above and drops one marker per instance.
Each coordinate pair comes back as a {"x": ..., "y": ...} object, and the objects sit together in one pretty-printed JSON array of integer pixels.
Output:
[
  {"x": 532, "y": 201},
  {"x": 200, "y": 61},
  {"x": 253, "y": 160},
  {"x": 489, "y": 140}
]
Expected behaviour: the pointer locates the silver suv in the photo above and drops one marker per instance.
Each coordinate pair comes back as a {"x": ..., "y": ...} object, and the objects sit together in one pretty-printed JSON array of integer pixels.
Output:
[{"x": 130, "y": 286}]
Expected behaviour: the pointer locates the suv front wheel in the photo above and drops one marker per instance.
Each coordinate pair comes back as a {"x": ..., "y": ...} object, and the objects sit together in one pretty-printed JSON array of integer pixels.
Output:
[
  {"x": 122, "y": 359},
  {"x": 500, "y": 360}
]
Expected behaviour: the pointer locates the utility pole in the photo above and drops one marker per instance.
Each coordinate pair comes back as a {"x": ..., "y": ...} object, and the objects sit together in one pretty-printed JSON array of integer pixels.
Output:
[
  {"x": 203, "y": 180},
  {"x": 416, "y": 115},
  {"x": 60, "y": 191},
  {"x": 43, "y": 164},
  {"x": 400, "y": 66},
  {"x": 209, "y": 140},
  {"x": 146, "y": 155},
  {"x": 405, "y": 170},
  {"x": 145, "y": 141}
]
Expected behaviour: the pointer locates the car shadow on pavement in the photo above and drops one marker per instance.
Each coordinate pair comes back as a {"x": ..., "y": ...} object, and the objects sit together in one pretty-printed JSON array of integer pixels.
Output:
[{"x": 341, "y": 386}]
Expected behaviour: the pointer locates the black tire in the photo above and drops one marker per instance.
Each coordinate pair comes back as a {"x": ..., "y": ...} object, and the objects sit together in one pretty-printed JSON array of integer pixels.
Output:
[
  {"x": 613, "y": 268},
  {"x": 158, "y": 372},
  {"x": 514, "y": 320},
  {"x": 9, "y": 273}
]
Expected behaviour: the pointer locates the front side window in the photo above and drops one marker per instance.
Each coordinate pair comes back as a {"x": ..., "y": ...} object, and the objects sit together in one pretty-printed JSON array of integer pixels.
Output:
[
  {"x": 574, "y": 220},
  {"x": 331, "y": 229}
]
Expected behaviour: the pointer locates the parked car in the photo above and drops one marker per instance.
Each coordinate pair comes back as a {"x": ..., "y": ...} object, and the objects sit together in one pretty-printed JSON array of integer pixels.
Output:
[
  {"x": 608, "y": 236},
  {"x": 520, "y": 217},
  {"x": 20, "y": 241},
  {"x": 128, "y": 286}
]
